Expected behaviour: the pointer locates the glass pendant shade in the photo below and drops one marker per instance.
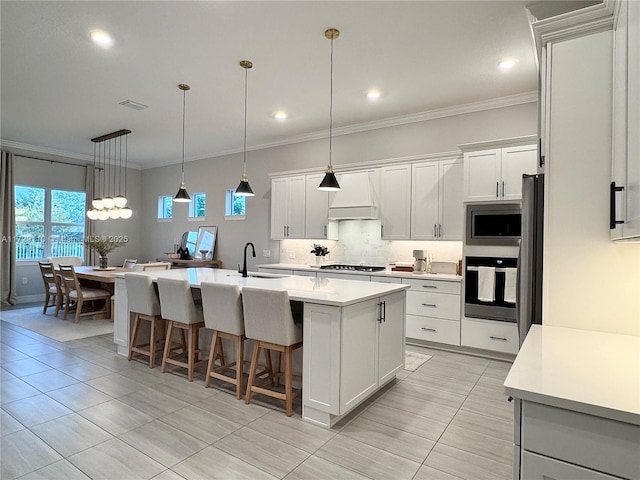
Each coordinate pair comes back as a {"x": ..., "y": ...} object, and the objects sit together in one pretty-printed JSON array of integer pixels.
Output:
[
  {"x": 119, "y": 201},
  {"x": 107, "y": 202},
  {"x": 92, "y": 214},
  {"x": 114, "y": 213},
  {"x": 329, "y": 182},
  {"x": 126, "y": 213},
  {"x": 97, "y": 203},
  {"x": 103, "y": 214}
]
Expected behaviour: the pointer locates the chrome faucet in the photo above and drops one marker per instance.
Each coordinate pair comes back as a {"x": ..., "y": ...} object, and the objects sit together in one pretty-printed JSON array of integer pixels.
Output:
[{"x": 244, "y": 265}]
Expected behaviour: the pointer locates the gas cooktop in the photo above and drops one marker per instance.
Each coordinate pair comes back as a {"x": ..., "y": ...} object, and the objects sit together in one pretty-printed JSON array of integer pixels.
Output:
[{"x": 354, "y": 268}]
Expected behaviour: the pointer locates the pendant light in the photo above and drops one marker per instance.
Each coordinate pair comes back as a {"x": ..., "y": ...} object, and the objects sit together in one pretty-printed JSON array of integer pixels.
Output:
[
  {"x": 183, "y": 195},
  {"x": 330, "y": 182},
  {"x": 92, "y": 213},
  {"x": 120, "y": 200},
  {"x": 244, "y": 189},
  {"x": 126, "y": 212}
]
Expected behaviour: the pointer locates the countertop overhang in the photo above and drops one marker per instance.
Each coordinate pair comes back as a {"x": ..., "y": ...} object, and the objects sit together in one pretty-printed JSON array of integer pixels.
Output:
[
  {"x": 591, "y": 372},
  {"x": 325, "y": 291}
]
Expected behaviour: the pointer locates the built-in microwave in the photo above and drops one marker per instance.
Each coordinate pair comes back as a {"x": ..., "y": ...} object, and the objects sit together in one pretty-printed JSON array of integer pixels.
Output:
[{"x": 493, "y": 224}]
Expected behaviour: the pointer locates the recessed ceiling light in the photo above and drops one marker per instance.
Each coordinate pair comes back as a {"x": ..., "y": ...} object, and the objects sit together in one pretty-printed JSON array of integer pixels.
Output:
[
  {"x": 101, "y": 38},
  {"x": 373, "y": 94},
  {"x": 280, "y": 115},
  {"x": 506, "y": 64}
]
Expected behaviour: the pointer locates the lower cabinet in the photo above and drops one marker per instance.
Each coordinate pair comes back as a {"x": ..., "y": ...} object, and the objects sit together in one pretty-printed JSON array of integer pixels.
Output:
[
  {"x": 489, "y": 335},
  {"x": 370, "y": 351},
  {"x": 433, "y": 311},
  {"x": 560, "y": 444}
]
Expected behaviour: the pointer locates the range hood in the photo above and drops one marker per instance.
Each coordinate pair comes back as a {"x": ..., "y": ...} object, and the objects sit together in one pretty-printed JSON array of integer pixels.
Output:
[{"x": 358, "y": 198}]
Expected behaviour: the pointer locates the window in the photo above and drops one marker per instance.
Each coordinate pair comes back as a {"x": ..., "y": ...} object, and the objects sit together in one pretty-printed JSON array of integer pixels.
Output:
[
  {"x": 235, "y": 206},
  {"x": 197, "y": 207},
  {"x": 49, "y": 223},
  {"x": 165, "y": 205}
]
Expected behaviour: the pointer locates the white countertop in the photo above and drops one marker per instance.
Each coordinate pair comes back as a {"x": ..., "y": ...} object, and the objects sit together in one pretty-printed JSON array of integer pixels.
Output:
[
  {"x": 586, "y": 371},
  {"x": 383, "y": 273},
  {"x": 325, "y": 291}
]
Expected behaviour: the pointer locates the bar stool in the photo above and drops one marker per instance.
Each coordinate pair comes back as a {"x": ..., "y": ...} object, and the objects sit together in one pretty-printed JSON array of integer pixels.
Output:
[
  {"x": 269, "y": 322},
  {"x": 179, "y": 309},
  {"x": 222, "y": 309},
  {"x": 143, "y": 301}
]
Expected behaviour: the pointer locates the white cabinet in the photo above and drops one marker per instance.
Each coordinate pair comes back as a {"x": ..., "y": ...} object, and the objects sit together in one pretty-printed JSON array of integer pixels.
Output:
[
  {"x": 489, "y": 335},
  {"x": 496, "y": 174},
  {"x": 436, "y": 206},
  {"x": 288, "y": 207},
  {"x": 317, "y": 223},
  {"x": 538, "y": 467},
  {"x": 626, "y": 124},
  {"x": 395, "y": 202},
  {"x": 351, "y": 352},
  {"x": 433, "y": 311}
]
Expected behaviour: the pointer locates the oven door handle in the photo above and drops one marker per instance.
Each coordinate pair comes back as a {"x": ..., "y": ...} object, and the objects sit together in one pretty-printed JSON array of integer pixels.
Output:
[{"x": 476, "y": 269}]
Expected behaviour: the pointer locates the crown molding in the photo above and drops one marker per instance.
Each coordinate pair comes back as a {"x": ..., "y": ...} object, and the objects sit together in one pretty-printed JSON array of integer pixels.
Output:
[{"x": 500, "y": 102}]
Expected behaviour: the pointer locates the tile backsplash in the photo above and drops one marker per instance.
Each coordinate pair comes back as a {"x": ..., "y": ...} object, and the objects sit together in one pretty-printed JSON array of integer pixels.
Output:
[{"x": 360, "y": 243}]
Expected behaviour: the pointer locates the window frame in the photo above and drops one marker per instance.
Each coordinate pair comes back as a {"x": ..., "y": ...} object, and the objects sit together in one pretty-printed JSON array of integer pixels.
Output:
[
  {"x": 48, "y": 225},
  {"x": 161, "y": 208},
  {"x": 228, "y": 209},
  {"x": 192, "y": 206}
]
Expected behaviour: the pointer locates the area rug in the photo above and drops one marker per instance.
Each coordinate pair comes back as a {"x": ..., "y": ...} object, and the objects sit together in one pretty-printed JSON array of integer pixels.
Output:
[
  {"x": 56, "y": 328},
  {"x": 413, "y": 360}
]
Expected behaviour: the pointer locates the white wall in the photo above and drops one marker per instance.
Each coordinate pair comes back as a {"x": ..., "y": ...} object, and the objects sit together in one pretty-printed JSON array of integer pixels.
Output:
[{"x": 214, "y": 176}]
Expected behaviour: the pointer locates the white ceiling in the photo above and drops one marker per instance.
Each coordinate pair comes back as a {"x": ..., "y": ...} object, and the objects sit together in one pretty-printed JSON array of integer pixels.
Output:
[{"x": 59, "y": 90}]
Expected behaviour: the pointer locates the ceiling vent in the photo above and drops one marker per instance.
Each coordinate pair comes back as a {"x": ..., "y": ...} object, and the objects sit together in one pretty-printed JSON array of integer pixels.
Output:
[{"x": 134, "y": 105}]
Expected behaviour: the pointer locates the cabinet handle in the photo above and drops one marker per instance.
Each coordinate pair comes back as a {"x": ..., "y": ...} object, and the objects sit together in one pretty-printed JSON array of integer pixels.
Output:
[
  {"x": 384, "y": 311},
  {"x": 287, "y": 230},
  {"x": 497, "y": 186},
  {"x": 435, "y": 230},
  {"x": 429, "y": 286},
  {"x": 433, "y": 305},
  {"x": 429, "y": 329},
  {"x": 503, "y": 189},
  {"x": 325, "y": 230},
  {"x": 381, "y": 230},
  {"x": 612, "y": 205},
  {"x": 439, "y": 230},
  {"x": 379, "y": 312},
  {"x": 501, "y": 339}
]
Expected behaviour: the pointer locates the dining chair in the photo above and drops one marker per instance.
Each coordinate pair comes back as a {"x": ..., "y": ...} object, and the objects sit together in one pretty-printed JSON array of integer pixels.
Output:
[
  {"x": 129, "y": 263},
  {"x": 144, "y": 304},
  {"x": 75, "y": 261},
  {"x": 268, "y": 320},
  {"x": 51, "y": 290},
  {"x": 222, "y": 309},
  {"x": 179, "y": 309},
  {"x": 143, "y": 267},
  {"x": 74, "y": 292}
]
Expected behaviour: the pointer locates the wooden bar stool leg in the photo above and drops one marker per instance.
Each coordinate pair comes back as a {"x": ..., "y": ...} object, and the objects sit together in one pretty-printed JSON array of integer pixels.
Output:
[
  {"x": 134, "y": 335},
  {"x": 212, "y": 357},
  {"x": 287, "y": 380},
  {"x": 268, "y": 364},
  {"x": 191, "y": 352},
  {"x": 152, "y": 343},
  {"x": 167, "y": 347},
  {"x": 252, "y": 371},
  {"x": 239, "y": 365}
]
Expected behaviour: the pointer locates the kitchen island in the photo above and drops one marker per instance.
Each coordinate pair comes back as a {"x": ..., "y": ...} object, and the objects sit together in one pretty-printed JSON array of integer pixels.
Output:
[{"x": 353, "y": 333}]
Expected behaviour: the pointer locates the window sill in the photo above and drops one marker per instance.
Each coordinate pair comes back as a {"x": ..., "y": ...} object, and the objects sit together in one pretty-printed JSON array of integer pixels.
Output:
[
  {"x": 234, "y": 217},
  {"x": 196, "y": 219},
  {"x": 164, "y": 220}
]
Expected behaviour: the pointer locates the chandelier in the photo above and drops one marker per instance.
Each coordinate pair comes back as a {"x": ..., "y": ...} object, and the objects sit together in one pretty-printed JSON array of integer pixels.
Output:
[{"x": 111, "y": 177}]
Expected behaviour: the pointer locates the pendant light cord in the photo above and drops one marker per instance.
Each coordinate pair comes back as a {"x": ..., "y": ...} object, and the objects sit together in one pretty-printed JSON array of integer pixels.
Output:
[
  {"x": 331, "y": 107},
  {"x": 184, "y": 103},
  {"x": 244, "y": 153},
  {"x": 126, "y": 162}
]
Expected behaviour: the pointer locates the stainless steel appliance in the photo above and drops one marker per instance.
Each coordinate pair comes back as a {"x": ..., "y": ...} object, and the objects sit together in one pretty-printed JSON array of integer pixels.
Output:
[
  {"x": 499, "y": 308},
  {"x": 493, "y": 224},
  {"x": 353, "y": 268},
  {"x": 529, "y": 298},
  {"x": 420, "y": 265}
]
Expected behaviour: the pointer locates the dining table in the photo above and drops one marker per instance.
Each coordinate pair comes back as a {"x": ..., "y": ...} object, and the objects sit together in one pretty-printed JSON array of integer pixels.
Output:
[{"x": 96, "y": 277}]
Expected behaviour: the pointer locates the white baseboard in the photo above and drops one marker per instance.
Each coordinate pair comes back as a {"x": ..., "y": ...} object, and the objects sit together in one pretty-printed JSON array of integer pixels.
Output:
[{"x": 38, "y": 297}]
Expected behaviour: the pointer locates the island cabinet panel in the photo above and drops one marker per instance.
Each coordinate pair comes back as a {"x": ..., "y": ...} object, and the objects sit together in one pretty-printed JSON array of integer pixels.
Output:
[{"x": 391, "y": 329}]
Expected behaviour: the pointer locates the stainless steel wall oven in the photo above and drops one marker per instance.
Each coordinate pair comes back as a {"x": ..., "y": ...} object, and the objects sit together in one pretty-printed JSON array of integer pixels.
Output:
[{"x": 501, "y": 305}]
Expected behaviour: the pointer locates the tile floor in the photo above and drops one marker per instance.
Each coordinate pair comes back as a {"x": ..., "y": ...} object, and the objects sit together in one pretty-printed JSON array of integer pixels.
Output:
[{"x": 76, "y": 410}]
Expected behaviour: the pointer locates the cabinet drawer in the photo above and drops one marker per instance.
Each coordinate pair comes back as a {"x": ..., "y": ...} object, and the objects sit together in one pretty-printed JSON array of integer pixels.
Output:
[
  {"x": 537, "y": 467},
  {"x": 594, "y": 442},
  {"x": 343, "y": 276},
  {"x": 490, "y": 335},
  {"x": 382, "y": 279},
  {"x": 425, "y": 285},
  {"x": 439, "y": 305},
  {"x": 433, "y": 329}
]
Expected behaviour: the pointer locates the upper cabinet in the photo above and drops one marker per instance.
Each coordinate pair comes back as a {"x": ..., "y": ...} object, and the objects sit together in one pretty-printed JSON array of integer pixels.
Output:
[
  {"x": 436, "y": 206},
  {"x": 494, "y": 174},
  {"x": 395, "y": 202},
  {"x": 288, "y": 207},
  {"x": 317, "y": 223},
  {"x": 625, "y": 178}
]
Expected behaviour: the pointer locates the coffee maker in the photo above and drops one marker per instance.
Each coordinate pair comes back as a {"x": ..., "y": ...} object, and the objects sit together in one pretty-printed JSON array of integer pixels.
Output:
[{"x": 420, "y": 264}]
